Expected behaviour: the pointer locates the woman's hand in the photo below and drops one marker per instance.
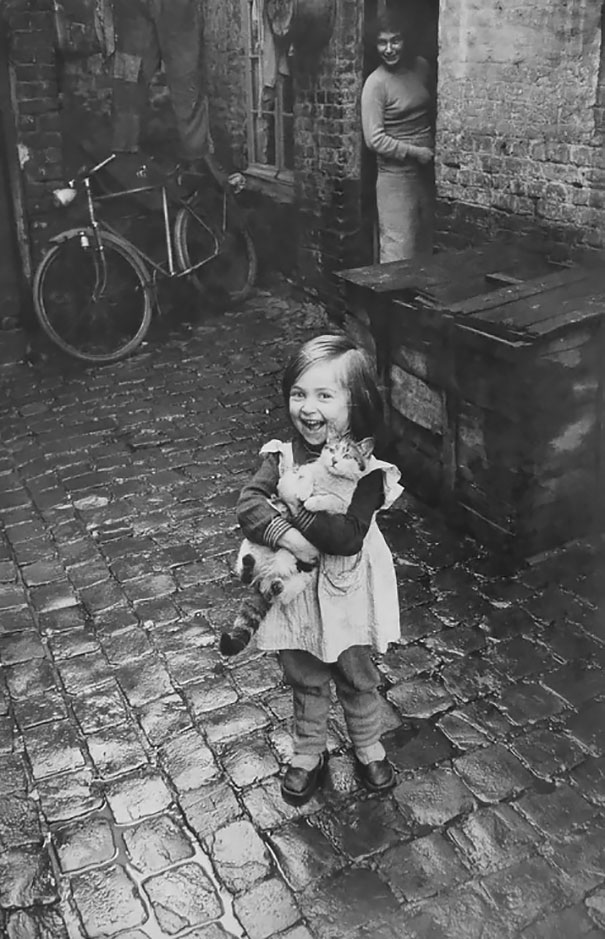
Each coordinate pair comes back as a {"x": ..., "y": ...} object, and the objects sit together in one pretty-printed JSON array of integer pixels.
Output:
[
  {"x": 422, "y": 154},
  {"x": 302, "y": 549}
]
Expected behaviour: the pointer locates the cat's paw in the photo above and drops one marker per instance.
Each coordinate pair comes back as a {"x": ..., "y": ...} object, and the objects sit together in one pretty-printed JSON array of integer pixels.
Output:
[
  {"x": 273, "y": 590},
  {"x": 234, "y": 642},
  {"x": 247, "y": 569},
  {"x": 317, "y": 504}
]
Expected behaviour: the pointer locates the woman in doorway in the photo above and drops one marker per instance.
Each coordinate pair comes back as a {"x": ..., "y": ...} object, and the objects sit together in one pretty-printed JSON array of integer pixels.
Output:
[{"x": 397, "y": 105}]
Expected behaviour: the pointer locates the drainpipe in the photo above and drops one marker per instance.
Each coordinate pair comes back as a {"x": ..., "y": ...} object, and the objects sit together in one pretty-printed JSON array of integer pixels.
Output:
[{"x": 14, "y": 169}]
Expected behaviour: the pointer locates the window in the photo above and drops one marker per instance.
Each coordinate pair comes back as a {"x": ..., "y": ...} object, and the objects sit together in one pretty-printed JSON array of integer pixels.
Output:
[{"x": 270, "y": 98}]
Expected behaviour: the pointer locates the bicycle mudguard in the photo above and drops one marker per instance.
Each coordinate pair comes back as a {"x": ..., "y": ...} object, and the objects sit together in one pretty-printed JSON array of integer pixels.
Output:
[{"x": 71, "y": 233}]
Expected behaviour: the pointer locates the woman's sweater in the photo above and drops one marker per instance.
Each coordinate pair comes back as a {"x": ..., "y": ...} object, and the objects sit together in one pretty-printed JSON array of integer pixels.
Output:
[{"x": 396, "y": 110}]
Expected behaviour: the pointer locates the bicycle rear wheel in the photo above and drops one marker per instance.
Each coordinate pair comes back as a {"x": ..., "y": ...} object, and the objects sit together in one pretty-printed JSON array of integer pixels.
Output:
[
  {"x": 231, "y": 275},
  {"x": 87, "y": 319}
]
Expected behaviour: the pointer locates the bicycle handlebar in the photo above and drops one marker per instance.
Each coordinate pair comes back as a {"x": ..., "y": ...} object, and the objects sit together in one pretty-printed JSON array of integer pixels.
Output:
[{"x": 87, "y": 173}]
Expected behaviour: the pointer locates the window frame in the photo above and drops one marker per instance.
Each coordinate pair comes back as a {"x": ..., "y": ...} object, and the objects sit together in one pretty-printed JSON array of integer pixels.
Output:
[{"x": 271, "y": 177}]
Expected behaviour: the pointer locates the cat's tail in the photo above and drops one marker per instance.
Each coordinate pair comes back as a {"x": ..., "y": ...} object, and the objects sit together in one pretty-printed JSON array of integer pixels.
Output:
[{"x": 251, "y": 613}]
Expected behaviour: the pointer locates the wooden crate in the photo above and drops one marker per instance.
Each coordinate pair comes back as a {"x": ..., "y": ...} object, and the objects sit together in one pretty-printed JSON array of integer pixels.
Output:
[{"x": 492, "y": 362}]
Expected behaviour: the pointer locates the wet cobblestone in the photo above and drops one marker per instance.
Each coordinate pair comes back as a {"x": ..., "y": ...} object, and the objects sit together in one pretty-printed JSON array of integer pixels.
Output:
[{"x": 139, "y": 772}]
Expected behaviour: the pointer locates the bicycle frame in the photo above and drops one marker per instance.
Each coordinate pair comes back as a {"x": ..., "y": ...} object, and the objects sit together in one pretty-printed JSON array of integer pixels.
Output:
[
  {"x": 166, "y": 271},
  {"x": 93, "y": 201}
]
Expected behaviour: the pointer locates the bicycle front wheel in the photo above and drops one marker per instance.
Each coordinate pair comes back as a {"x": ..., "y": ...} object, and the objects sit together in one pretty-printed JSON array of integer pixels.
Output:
[
  {"x": 231, "y": 273},
  {"x": 95, "y": 307}
]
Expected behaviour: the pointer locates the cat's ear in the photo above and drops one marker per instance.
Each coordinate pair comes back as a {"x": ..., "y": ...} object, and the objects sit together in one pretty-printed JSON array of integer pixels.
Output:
[{"x": 366, "y": 447}]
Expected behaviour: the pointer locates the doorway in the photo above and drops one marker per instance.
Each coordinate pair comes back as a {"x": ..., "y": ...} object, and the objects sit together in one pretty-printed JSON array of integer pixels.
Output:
[{"x": 421, "y": 18}]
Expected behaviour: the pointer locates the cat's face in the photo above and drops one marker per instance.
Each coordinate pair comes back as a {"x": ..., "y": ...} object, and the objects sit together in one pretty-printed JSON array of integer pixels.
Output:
[{"x": 346, "y": 457}]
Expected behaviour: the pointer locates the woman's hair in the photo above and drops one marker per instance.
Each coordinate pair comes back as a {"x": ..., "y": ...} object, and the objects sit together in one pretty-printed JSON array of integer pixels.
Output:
[
  {"x": 387, "y": 21},
  {"x": 356, "y": 374}
]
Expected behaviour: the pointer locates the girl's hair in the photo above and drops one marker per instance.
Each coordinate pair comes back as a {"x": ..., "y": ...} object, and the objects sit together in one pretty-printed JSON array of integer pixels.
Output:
[{"x": 356, "y": 374}]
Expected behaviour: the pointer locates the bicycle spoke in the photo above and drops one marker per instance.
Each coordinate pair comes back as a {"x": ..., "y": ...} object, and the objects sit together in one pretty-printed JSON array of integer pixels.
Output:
[
  {"x": 93, "y": 308},
  {"x": 230, "y": 274}
]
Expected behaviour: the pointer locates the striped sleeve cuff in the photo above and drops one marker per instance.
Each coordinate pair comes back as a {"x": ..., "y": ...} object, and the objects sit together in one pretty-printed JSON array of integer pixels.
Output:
[
  {"x": 274, "y": 530},
  {"x": 303, "y": 519}
]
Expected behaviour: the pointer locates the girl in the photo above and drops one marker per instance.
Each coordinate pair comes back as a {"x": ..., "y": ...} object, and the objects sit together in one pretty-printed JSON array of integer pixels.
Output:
[{"x": 327, "y": 632}]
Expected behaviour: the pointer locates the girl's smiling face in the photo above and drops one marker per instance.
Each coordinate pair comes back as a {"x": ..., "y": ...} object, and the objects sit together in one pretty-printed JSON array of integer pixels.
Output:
[{"x": 317, "y": 401}]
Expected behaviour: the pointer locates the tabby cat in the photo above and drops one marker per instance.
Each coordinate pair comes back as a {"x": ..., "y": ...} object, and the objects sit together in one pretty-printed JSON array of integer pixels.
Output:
[{"x": 326, "y": 485}]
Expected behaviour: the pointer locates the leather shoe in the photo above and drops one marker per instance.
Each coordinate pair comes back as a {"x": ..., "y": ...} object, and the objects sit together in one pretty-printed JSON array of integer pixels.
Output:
[
  {"x": 298, "y": 785},
  {"x": 377, "y": 776}
]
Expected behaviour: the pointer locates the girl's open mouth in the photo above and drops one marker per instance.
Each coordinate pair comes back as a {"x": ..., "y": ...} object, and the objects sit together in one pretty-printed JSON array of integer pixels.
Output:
[{"x": 312, "y": 425}]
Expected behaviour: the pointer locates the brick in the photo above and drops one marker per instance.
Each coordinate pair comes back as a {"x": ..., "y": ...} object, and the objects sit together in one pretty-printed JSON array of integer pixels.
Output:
[
  {"x": 430, "y": 799},
  {"x": 525, "y": 890},
  {"x": 209, "y": 808},
  {"x": 493, "y": 773},
  {"x": 123, "y": 907},
  {"x": 558, "y": 813},
  {"x": 240, "y": 857},
  {"x": 422, "y": 867}
]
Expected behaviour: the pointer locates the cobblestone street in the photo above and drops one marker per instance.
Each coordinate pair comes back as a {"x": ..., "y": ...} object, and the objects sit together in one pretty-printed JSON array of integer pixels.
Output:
[{"x": 139, "y": 771}]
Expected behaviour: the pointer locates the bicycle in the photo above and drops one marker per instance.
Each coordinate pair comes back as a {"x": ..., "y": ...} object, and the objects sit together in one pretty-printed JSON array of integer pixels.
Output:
[{"x": 93, "y": 292}]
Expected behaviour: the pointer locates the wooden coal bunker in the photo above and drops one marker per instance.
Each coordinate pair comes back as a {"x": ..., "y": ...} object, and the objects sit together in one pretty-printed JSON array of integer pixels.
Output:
[{"x": 491, "y": 360}]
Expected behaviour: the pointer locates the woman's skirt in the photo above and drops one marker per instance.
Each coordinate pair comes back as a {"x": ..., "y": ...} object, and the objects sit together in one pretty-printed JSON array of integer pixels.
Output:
[{"x": 406, "y": 208}]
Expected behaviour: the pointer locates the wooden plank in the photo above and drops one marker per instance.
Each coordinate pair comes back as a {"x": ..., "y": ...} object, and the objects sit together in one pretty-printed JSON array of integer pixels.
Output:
[
  {"x": 571, "y": 375},
  {"x": 547, "y": 526},
  {"x": 361, "y": 335},
  {"x": 600, "y": 424},
  {"x": 501, "y": 512},
  {"x": 507, "y": 272},
  {"x": 505, "y": 347},
  {"x": 417, "y": 401},
  {"x": 565, "y": 302},
  {"x": 441, "y": 268},
  {"x": 502, "y": 538},
  {"x": 417, "y": 438},
  {"x": 567, "y": 441},
  {"x": 418, "y": 361},
  {"x": 583, "y": 333},
  {"x": 574, "y": 485},
  {"x": 499, "y": 386},
  {"x": 415, "y": 313},
  {"x": 490, "y": 455},
  {"x": 563, "y": 321},
  {"x": 357, "y": 307},
  {"x": 479, "y": 306}
]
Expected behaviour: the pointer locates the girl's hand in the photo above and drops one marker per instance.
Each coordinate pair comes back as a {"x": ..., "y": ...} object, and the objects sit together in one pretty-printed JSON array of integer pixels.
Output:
[
  {"x": 293, "y": 505},
  {"x": 422, "y": 154},
  {"x": 299, "y": 546}
]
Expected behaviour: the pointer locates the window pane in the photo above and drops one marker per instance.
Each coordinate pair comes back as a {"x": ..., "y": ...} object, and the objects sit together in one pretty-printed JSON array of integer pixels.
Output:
[
  {"x": 287, "y": 94},
  {"x": 265, "y": 138},
  {"x": 288, "y": 131},
  {"x": 255, "y": 68},
  {"x": 271, "y": 124},
  {"x": 255, "y": 27}
]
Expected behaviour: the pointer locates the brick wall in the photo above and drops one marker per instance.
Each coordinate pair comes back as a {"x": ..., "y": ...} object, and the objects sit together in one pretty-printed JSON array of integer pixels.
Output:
[
  {"x": 32, "y": 55},
  {"x": 520, "y": 119},
  {"x": 328, "y": 154},
  {"x": 225, "y": 72},
  {"x": 323, "y": 228}
]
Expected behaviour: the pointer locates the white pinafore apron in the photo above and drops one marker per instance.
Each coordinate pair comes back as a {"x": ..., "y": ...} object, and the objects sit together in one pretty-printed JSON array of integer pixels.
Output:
[{"x": 352, "y": 601}]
